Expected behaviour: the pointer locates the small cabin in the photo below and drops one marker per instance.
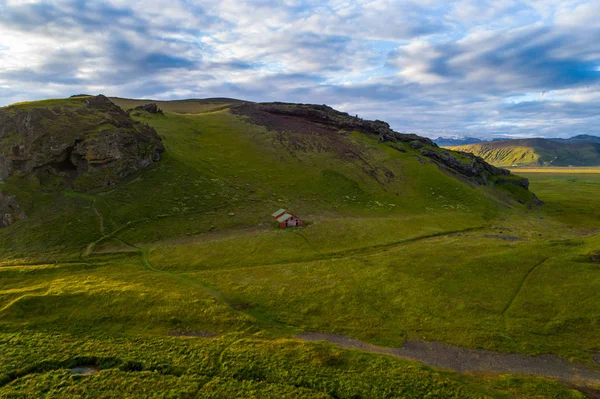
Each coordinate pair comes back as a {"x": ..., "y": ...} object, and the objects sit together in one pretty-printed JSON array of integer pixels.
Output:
[{"x": 286, "y": 219}]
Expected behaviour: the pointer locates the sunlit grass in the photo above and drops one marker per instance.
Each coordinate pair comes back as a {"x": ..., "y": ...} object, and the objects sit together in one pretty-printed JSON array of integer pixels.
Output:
[
  {"x": 553, "y": 170},
  {"x": 187, "y": 246}
]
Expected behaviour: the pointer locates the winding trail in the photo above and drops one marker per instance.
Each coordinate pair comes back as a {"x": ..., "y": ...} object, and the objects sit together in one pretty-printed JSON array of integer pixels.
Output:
[
  {"x": 464, "y": 360},
  {"x": 367, "y": 250},
  {"x": 180, "y": 276},
  {"x": 380, "y": 247},
  {"x": 91, "y": 246},
  {"x": 520, "y": 286}
]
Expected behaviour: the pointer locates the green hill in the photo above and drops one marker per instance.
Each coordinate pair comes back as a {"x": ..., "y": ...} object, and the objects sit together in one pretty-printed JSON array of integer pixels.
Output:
[
  {"x": 247, "y": 161},
  {"x": 536, "y": 152},
  {"x": 170, "y": 278},
  {"x": 193, "y": 106}
]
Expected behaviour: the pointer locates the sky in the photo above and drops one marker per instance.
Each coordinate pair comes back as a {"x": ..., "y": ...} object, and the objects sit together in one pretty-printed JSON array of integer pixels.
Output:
[{"x": 437, "y": 68}]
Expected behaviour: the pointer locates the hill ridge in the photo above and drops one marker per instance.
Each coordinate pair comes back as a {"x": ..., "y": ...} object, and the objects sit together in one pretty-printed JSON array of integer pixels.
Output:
[{"x": 576, "y": 151}]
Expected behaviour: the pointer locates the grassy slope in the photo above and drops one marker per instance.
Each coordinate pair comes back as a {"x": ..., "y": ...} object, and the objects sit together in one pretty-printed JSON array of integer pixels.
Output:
[
  {"x": 217, "y": 165},
  {"x": 182, "y": 107},
  {"x": 188, "y": 246},
  {"x": 535, "y": 152}
]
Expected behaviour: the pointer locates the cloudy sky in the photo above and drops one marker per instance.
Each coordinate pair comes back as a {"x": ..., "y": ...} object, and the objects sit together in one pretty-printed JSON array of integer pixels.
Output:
[{"x": 471, "y": 67}]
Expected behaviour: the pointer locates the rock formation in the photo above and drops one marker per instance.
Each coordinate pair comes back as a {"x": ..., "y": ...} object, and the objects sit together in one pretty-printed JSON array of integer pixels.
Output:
[
  {"x": 10, "y": 211},
  {"x": 88, "y": 142},
  {"x": 151, "y": 108}
]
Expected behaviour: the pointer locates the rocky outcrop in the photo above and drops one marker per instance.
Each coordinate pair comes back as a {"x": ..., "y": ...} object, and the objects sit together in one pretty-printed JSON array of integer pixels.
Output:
[
  {"x": 328, "y": 116},
  {"x": 151, "y": 108},
  {"x": 10, "y": 211},
  {"x": 87, "y": 142},
  {"x": 477, "y": 168}
]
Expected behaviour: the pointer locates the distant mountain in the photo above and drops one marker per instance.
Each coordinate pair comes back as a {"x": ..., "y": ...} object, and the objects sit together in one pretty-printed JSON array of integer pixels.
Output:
[
  {"x": 449, "y": 141},
  {"x": 582, "y": 150},
  {"x": 582, "y": 138}
]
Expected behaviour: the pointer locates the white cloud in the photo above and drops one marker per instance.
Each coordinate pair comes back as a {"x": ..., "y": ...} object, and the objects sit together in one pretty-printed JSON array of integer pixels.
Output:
[{"x": 426, "y": 66}]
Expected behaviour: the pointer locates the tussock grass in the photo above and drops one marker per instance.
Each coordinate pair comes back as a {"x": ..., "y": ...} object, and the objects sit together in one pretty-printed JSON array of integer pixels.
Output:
[{"x": 232, "y": 366}]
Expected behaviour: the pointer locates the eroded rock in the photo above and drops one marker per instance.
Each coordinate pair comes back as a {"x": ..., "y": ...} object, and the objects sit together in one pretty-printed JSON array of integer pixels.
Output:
[
  {"x": 88, "y": 142},
  {"x": 332, "y": 118},
  {"x": 10, "y": 211},
  {"x": 151, "y": 108},
  {"x": 477, "y": 168}
]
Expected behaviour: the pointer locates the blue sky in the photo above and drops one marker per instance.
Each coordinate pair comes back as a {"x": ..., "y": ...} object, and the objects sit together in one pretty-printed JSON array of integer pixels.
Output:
[{"x": 469, "y": 67}]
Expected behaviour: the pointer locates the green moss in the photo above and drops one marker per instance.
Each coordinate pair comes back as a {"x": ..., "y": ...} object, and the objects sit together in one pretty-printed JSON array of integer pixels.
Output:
[{"x": 395, "y": 249}]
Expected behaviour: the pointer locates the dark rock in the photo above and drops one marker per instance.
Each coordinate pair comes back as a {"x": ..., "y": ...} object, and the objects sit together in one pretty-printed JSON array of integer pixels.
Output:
[
  {"x": 398, "y": 148},
  {"x": 478, "y": 170},
  {"x": 151, "y": 108},
  {"x": 331, "y": 118},
  {"x": 521, "y": 181},
  {"x": 10, "y": 211},
  {"x": 92, "y": 137},
  {"x": 415, "y": 145}
]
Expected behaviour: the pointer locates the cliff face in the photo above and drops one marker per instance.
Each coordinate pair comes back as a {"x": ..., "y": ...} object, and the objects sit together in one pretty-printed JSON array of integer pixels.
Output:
[{"x": 86, "y": 142}]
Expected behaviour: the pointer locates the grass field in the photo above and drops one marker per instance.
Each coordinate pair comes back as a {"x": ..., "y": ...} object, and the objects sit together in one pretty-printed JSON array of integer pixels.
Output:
[
  {"x": 571, "y": 194},
  {"x": 573, "y": 170},
  {"x": 176, "y": 283}
]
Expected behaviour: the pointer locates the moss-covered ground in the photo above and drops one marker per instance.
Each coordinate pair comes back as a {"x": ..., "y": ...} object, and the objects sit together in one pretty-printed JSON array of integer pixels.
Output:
[{"x": 176, "y": 283}]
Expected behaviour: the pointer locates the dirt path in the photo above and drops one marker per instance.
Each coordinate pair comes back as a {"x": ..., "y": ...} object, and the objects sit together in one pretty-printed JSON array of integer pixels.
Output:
[
  {"x": 91, "y": 246},
  {"x": 463, "y": 360}
]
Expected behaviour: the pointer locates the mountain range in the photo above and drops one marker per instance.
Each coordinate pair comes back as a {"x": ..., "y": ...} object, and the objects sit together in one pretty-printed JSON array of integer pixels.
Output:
[{"x": 581, "y": 150}]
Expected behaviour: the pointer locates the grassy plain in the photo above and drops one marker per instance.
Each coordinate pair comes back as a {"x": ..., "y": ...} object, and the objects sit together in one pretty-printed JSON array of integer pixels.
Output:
[
  {"x": 550, "y": 171},
  {"x": 176, "y": 284}
]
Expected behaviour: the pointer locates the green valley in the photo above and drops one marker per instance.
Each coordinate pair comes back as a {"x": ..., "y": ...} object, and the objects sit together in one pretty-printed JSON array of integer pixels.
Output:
[{"x": 170, "y": 279}]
